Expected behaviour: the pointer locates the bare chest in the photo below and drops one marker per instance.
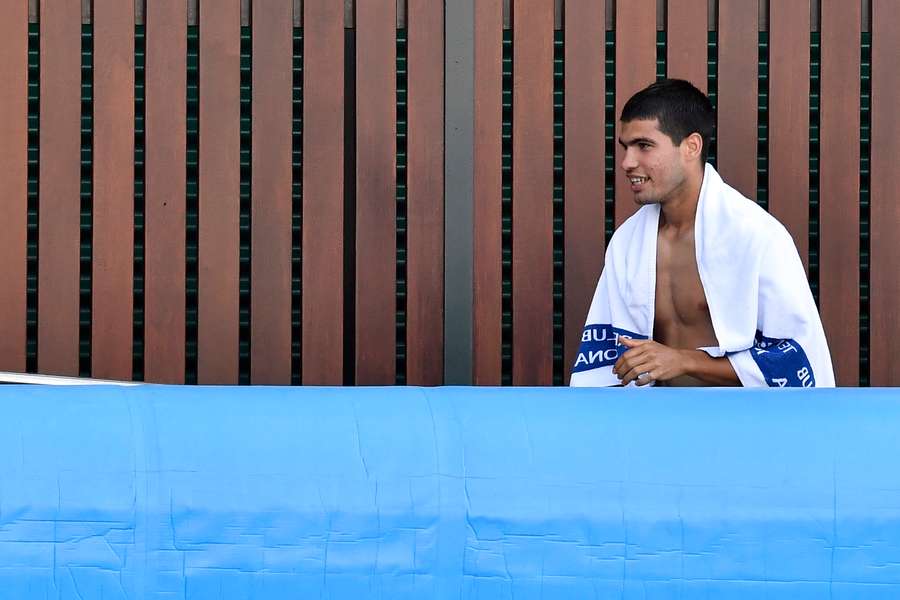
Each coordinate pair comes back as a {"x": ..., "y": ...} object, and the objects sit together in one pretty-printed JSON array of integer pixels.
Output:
[{"x": 682, "y": 317}]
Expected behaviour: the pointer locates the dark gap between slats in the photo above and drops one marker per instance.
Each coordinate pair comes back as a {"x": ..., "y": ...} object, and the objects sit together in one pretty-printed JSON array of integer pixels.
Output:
[
  {"x": 506, "y": 211},
  {"x": 712, "y": 86},
  {"x": 610, "y": 119},
  {"x": 296, "y": 208},
  {"x": 865, "y": 137},
  {"x": 140, "y": 48},
  {"x": 559, "y": 53},
  {"x": 245, "y": 217},
  {"x": 349, "y": 206},
  {"x": 762, "y": 123},
  {"x": 86, "y": 199},
  {"x": 661, "y": 46},
  {"x": 192, "y": 203},
  {"x": 31, "y": 291},
  {"x": 401, "y": 207},
  {"x": 815, "y": 53}
]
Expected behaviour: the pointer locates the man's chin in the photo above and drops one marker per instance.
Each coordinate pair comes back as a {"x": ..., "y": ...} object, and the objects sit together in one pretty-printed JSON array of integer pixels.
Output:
[{"x": 644, "y": 200}]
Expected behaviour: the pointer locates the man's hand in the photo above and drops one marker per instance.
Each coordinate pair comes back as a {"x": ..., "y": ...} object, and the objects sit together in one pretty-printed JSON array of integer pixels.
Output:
[{"x": 646, "y": 361}]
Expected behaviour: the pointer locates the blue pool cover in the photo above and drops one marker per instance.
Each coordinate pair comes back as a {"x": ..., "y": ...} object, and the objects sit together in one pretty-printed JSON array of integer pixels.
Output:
[{"x": 519, "y": 493}]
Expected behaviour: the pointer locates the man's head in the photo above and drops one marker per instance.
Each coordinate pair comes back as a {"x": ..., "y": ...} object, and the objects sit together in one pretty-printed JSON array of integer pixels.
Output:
[{"x": 665, "y": 131}]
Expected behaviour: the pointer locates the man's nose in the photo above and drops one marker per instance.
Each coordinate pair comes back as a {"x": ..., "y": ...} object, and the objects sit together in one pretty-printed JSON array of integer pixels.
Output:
[{"x": 628, "y": 161}]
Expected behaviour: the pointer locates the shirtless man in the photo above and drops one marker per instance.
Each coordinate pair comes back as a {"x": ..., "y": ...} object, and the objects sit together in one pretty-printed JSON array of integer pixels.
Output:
[
  {"x": 700, "y": 286},
  {"x": 669, "y": 173}
]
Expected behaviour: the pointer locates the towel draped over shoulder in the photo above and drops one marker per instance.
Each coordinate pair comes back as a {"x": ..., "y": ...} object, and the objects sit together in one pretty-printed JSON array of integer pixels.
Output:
[{"x": 762, "y": 311}]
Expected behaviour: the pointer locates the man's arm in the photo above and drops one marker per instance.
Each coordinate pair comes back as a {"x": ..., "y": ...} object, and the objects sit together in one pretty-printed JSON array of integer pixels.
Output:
[{"x": 646, "y": 361}]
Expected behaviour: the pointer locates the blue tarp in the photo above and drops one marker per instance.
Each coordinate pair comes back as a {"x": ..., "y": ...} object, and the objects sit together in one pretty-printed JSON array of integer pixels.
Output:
[{"x": 271, "y": 493}]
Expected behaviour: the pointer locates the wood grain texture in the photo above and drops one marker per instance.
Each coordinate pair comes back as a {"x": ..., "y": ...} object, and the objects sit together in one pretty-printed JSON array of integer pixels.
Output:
[
  {"x": 113, "y": 225},
  {"x": 635, "y": 70},
  {"x": 737, "y": 96},
  {"x": 884, "y": 274},
  {"x": 59, "y": 195},
  {"x": 270, "y": 279},
  {"x": 487, "y": 193},
  {"x": 686, "y": 41},
  {"x": 532, "y": 237},
  {"x": 219, "y": 192},
  {"x": 13, "y": 183},
  {"x": 165, "y": 147},
  {"x": 425, "y": 194},
  {"x": 839, "y": 186},
  {"x": 323, "y": 193},
  {"x": 376, "y": 240},
  {"x": 584, "y": 164},
  {"x": 789, "y": 120}
]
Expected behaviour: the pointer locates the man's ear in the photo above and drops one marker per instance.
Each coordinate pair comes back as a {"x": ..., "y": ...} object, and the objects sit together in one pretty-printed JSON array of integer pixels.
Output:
[{"x": 692, "y": 146}]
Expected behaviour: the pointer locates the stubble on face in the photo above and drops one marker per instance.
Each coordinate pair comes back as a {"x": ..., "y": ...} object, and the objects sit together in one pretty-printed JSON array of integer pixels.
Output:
[{"x": 652, "y": 162}]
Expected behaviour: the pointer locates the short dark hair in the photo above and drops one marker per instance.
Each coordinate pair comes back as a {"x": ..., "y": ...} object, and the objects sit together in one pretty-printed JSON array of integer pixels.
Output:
[{"x": 680, "y": 108}]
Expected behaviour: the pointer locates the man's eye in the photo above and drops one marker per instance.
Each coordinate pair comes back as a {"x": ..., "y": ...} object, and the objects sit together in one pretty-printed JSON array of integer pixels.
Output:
[{"x": 643, "y": 146}]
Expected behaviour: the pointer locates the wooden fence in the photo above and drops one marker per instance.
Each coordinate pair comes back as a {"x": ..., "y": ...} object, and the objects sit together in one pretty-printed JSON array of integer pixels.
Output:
[{"x": 237, "y": 192}]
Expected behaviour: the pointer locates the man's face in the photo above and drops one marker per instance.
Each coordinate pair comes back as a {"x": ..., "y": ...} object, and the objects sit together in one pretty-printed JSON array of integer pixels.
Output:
[{"x": 653, "y": 165}]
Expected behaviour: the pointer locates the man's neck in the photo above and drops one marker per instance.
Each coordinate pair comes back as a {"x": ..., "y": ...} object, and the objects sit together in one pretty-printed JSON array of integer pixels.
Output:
[{"x": 679, "y": 211}]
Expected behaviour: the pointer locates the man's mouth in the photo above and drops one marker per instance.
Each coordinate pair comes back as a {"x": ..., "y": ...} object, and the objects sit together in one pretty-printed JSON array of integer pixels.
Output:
[{"x": 637, "y": 182}]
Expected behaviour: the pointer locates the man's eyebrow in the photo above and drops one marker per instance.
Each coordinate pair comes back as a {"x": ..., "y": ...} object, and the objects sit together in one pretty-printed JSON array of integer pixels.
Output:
[{"x": 638, "y": 140}]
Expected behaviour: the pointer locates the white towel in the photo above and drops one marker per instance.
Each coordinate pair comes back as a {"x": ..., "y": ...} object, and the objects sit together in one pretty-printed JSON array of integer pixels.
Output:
[{"x": 762, "y": 310}]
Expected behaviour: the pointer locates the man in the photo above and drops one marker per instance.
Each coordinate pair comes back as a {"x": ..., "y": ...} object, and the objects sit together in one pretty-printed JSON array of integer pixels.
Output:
[{"x": 700, "y": 286}]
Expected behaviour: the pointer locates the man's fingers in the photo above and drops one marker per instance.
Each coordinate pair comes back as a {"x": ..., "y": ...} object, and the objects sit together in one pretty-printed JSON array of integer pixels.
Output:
[
  {"x": 645, "y": 378},
  {"x": 640, "y": 376},
  {"x": 627, "y": 360},
  {"x": 635, "y": 371},
  {"x": 634, "y": 347}
]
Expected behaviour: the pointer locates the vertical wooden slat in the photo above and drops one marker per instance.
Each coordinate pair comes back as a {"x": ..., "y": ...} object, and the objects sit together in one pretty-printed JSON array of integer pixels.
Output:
[
  {"x": 686, "y": 41},
  {"x": 270, "y": 255},
  {"x": 789, "y": 119},
  {"x": 323, "y": 192},
  {"x": 13, "y": 183},
  {"x": 635, "y": 70},
  {"x": 884, "y": 216},
  {"x": 113, "y": 209},
  {"x": 488, "y": 83},
  {"x": 532, "y": 193},
  {"x": 376, "y": 192},
  {"x": 839, "y": 185},
  {"x": 425, "y": 194},
  {"x": 737, "y": 97},
  {"x": 219, "y": 192},
  {"x": 60, "y": 177},
  {"x": 584, "y": 163},
  {"x": 165, "y": 146}
]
